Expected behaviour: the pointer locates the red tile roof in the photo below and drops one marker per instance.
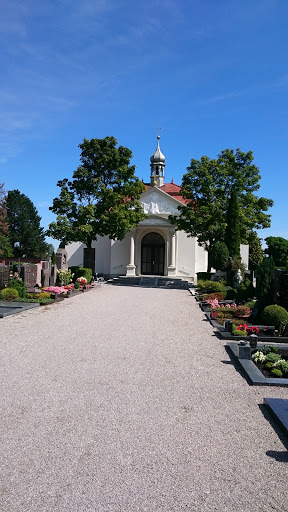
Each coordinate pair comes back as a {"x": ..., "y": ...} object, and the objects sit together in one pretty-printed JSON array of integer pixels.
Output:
[{"x": 172, "y": 190}]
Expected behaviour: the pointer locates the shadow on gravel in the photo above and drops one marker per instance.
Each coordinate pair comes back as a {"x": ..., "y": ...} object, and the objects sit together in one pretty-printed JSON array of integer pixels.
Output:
[
  {"x": 279, "y": 456},
  {"x": 237, "y": 366}
]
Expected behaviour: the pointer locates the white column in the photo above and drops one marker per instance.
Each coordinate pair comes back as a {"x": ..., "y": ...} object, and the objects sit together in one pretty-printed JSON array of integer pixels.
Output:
[
  {"x": 132, "y": 250},
  {"x": 172, "y": 266},
  {"x": 173, "y": 248},
  {"x": 130, "y": 269}
]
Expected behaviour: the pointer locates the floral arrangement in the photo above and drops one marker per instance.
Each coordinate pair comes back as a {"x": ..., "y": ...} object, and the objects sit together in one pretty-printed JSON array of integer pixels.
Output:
[
  {"x": 214, "y": 303},
  {"x": 64, "y": 276},
  {"x": 82, "y": 280},
  {"x": 55, "y": 289},
  {"x": 273, "y": 362}
]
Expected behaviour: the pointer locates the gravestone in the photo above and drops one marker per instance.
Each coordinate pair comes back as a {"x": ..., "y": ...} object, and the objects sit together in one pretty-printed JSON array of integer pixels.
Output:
[
  {"x": 53, "y": 274},
  {"x": 4, "y": 276},
  {"x": 89, "y": 258},
  {"x": 61, "y": 259},
  {"x": 45, "y": 273},
  {"x": 28, "y": 274}
]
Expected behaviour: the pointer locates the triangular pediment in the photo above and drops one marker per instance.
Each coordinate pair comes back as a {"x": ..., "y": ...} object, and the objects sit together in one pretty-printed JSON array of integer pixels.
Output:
[{"x": 154, "y": 201}]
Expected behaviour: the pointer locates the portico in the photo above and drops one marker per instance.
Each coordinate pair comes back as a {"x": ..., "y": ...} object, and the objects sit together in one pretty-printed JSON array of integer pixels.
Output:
[{"x": 152, "y": 249}]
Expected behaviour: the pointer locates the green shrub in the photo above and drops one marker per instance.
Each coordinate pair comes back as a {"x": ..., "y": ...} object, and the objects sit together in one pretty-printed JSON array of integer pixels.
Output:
[
  {"x": 272, "y": 357},
  {"x": 73, "y": 269},
  {"x": 84, "y": 272},
  {"x": 269, "y": 365},
  {"x": 9, "y": 294},
  {"x": 238, "y": 332},
  {"x": 274, "y": 315},
  {"x": 276, "y": 372},
  {"x": 219, "y": 255},
  {"x": 42, "y": 295},
  {"x": 283, "y": 366},
  {"x": 209, "y": 286},
  {"x": 203, "y": 275},
  {"x": 230, "y": 293},
  {"x": 245, "y": 290},
  {"x": 76, "y": 286},
  {"x": 266, "y": 283},
  {"x": 64, "y": 277},
  {"x": 266, "y": 349},
  {"x": 250, "y": 304},
  {"x": 19, "y": 286}
]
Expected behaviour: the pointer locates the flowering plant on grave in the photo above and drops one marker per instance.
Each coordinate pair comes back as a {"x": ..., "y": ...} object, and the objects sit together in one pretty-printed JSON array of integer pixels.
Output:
[
  {"x": 254, "y": 329},
  {"x": 54, "y": 289},
  {"x": 214, "y": 303},
  {"x": 242, "y": 327},
  {"x": 82, "y": 280}
]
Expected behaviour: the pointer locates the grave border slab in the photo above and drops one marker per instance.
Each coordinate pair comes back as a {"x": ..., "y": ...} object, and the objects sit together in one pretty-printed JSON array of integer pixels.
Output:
[{"x": 255, "y": 377}]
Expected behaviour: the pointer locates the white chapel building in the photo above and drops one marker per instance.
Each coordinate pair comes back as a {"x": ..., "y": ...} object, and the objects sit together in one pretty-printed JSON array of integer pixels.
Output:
[{"x": 154, "y": 247}]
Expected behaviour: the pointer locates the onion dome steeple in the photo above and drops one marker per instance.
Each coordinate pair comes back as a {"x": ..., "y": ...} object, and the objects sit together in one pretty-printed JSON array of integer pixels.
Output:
[{"x": 157, "y": 166}]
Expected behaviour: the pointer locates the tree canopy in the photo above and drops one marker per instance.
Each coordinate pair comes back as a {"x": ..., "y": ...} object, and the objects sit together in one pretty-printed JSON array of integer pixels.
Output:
[
  {"x": 277, "y": 247},
  {"x": 102, "y": 197},
  {"x": 26, "y": 235},
  {"x": 208, "y": 185}
]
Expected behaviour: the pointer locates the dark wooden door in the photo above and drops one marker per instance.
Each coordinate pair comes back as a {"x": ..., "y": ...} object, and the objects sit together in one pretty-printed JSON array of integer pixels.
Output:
[{"x": 153, "y": 260}]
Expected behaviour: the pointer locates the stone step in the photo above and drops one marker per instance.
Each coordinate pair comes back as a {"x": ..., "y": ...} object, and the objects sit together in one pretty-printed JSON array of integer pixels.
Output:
[{"x": 151, "y": 282}]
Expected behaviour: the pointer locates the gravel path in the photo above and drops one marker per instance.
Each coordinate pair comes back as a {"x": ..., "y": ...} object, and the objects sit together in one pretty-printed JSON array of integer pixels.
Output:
[{"x": 122, "y": 399}]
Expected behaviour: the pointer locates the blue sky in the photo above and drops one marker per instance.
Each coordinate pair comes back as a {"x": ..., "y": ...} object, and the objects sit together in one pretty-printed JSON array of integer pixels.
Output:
[{"x": 212, "y": 73}]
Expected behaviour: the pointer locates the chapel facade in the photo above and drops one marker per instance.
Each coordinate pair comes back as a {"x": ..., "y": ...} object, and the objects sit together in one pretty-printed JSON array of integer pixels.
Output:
[{"x": 154, "y": 247}]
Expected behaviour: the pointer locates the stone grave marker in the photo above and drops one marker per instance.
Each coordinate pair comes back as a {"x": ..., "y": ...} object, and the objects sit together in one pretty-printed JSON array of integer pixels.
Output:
[
  {"x": 28, "y": 273},
  {"x": 4, "y": 276}
]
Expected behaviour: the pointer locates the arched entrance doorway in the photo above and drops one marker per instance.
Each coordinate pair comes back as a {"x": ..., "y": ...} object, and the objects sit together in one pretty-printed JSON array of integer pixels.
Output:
[{"x": 152, "y": 255}]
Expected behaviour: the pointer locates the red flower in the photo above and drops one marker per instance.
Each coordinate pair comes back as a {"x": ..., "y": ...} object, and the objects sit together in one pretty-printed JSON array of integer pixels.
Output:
[
  {"x": 242, "y": 327},
  {"x": 254, "y": 330}
]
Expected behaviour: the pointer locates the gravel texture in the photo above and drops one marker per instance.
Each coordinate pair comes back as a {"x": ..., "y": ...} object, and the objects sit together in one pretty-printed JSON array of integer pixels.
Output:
[{"x": 123, "y": 399}]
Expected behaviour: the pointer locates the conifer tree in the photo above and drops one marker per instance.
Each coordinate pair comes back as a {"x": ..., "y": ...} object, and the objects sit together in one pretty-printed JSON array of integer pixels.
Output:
[
  {"x": 255, "y": 251},
  {"x": 25, "y": 233},
  {"x": 5, "y": 245}
]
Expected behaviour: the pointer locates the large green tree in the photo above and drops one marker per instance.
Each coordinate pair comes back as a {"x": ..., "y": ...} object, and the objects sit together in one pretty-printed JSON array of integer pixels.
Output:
[
  {"x": 208, "y": 185},
  {"x": 232, "y": 232},
  {"x": 277, "y": 247},
  {"x": 102, "y": 197},
  {"x": 5, "y": 245},
  {"x": 25, "y": 233}
]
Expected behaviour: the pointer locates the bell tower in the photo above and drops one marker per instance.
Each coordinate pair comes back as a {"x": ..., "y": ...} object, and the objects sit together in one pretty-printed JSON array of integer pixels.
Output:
[{"x": 157, "y": 166}]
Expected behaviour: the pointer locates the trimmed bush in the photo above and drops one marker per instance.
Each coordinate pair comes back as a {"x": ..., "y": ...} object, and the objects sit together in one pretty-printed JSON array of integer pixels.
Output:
[
  {"x": 210, "y": 286},
  {"x": 19, "y": 286},
  {"x": 230, "y": 293},
  {"x": 274, "y": 315},
  {"x": 9, "y": 294},
  {"x": 83, "y": 272}
]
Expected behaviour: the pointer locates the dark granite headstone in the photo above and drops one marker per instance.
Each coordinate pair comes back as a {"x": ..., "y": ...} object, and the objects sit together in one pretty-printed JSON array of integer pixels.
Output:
[
  {"x": 53, "y": 274},
  {"x": 89, "y": 258},
  {"x": 4, "y": 277}
]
